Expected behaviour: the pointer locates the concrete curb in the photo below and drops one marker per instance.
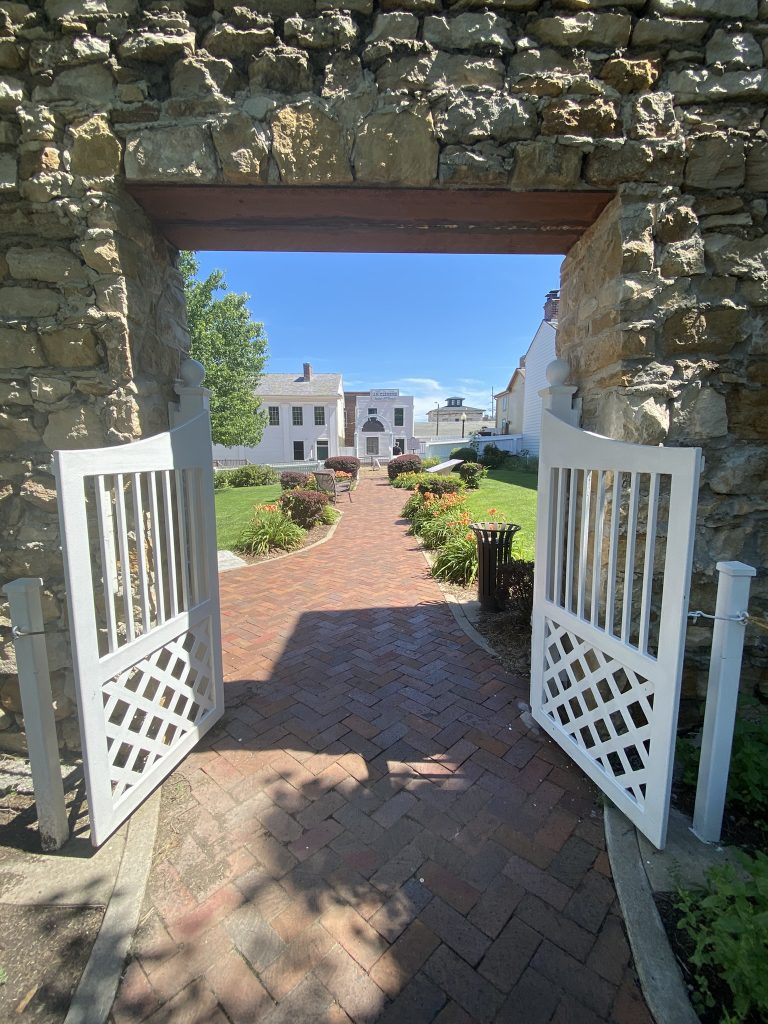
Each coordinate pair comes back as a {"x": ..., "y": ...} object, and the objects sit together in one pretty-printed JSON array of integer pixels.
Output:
[
  {"x": 660, "y": 978},
  {"x": 96, "y": 990}
]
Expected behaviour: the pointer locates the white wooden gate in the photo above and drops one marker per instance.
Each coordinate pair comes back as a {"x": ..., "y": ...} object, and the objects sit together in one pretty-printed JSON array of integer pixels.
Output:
[
  {"x": 613, "y": 564},
  {"x": 139, "y": 543}
]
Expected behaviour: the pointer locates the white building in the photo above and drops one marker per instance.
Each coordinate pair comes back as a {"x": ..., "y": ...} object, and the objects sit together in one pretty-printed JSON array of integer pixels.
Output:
[
  {"x": 305, "y": 419},
  {"x": 383, "y": 422},
  {"x": 509, "y": 403}
]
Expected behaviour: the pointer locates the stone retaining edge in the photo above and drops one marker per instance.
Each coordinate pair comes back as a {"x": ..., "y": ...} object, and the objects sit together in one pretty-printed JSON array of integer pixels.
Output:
[
  {"x": 288, "y": 554},
  {"x": 96, "y": 990},
  {"x": 660, "y": 979}
]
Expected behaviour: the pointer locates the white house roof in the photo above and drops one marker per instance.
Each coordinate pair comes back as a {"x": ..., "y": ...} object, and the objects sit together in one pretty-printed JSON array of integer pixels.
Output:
[{"x": 291, "y": 385}]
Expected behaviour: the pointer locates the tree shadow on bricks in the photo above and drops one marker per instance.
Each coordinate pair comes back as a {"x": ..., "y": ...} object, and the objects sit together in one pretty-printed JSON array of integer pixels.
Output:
[{"x": 373, "y": 833}]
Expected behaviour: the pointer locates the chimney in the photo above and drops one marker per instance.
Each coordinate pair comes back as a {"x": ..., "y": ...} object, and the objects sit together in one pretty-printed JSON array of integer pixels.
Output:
[
  {"x": 551, "y": 305},
  {"x": 307, "y": 371}
]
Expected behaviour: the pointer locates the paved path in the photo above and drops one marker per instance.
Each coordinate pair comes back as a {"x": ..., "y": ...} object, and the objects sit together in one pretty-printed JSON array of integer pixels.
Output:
[{"x": 372, "y": 833}]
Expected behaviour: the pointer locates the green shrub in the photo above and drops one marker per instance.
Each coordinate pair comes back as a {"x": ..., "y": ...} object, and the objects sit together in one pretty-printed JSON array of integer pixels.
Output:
[
  {"x": 514, "y": 589},
  {"x": 471, "y": 474},
  {"x": 466, "y": 453},
  {"x": 220, "y": 479},
  {"x": 292, "y": 478},
  {"x": 430, "y": 462},
  {"x": 493, "y": 457},
  {"x": 726, "y": 925},
  {"x": 747, "y": 796},
  {"x": 434, "y": 484},
  {"x": 413, "y": 505},
  {"x": 269, "y": 529},
  {"x": 435, "y": 533},
  {"x": 408, "y": 481},
  {"x": 456, "y": 561},
  {"x": 403, "y": 464},
  {"x": 330, "y": 515},
  {"x": 252, "y": 476},
  {"x": 344, "y": 464},
  {"x": 305, "y": 508}
]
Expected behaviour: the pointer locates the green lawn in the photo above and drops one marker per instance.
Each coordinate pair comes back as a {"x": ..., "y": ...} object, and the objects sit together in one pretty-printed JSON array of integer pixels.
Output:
[
  {"x": 513, "y": 493},
  {"x": 233, "y": 510}
]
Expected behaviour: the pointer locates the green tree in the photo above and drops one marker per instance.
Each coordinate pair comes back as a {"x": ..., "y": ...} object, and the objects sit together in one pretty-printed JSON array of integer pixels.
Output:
[{"x": 232, "y": 348}]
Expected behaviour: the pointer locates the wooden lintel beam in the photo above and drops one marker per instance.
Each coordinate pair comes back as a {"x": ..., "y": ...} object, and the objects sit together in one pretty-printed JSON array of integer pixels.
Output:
[{"x": 368, "y": 219}]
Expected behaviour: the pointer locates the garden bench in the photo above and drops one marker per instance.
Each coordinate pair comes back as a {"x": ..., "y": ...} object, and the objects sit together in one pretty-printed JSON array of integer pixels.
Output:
[
  {"x": 445, "y": 467},
  {"x": 328, "y": 483}
]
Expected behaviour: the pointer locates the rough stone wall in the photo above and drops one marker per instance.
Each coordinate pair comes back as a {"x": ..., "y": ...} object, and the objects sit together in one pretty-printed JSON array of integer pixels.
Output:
[{"x": 664, "y": 301}]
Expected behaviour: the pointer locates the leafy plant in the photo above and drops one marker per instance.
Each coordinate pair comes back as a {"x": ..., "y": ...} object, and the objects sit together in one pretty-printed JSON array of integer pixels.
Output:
[
  {"x": 726, "y": 925},
  {"x": 268, "y": 529},
  {"x": 220, "y": 479},
  {"x": 493, "y": 457},
  {"x": 305, "y": 508},
  {"x": 403, "y": 464},
  {"x": 252, "y": 476},
  {"x": 430, "y": 462},
  {"x": 345, "y": 463},
  {"x": 472, "y": 473},
  {"x": 465, "y": 452},
  {"x": 747, "y": 795},
  {"x": 330, "y": 515},
  {"x": 292, "y": 478},
  {"x": 413, "y": 506},
  {"x": 438, "y": 485},
  {"x": 435, "y": 533},
  {"x": 456, "y": 561},
  {"x": 514, "y": 588},
  {"x": 408, "y": 481}
]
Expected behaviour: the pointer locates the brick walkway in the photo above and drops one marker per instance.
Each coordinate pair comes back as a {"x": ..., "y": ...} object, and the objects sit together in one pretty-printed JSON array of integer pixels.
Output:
[{"x": 372, "y": 833}]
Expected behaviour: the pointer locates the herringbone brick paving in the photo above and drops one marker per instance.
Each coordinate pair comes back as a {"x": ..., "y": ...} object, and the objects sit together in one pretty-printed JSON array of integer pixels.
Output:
[{"x": 372, "y": 833}]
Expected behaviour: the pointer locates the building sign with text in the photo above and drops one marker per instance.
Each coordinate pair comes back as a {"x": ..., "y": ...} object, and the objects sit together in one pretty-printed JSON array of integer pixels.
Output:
[{"x": 383, "y": 394}]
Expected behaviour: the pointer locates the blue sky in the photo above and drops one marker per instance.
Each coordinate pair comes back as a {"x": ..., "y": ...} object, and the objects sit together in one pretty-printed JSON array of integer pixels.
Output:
[{"x": 431, "y": 325}]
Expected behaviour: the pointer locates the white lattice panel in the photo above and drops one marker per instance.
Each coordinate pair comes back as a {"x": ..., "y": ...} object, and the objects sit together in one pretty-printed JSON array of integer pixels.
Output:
[
  {"x": 613, "y": 560},
  {"x": 139, "y": 541}
]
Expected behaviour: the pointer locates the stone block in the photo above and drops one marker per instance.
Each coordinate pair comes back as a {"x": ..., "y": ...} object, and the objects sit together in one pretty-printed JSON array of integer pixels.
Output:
[
  {"x": 698, "y": 414},
  {"x": 483, "y": 166},
  {"x": 746, "y": 413},
  {"x": 683, "y": 259},
  {"x": 590, "y": 117},
  {"x": 706, "y": 332},
  {"x": 284, "y": 69},
  {"x": 478, "y": 33},
  {"x": 471, "y": 117},
  {"x": 309, "y": 147},
  {"x": 76, "y": 426},
  {"x": 397, "y": 25},
  {"x": 715, "y": 161},
  {"x": 239, "y": 44},
  {"x": 8, "y": 172},
  {"x": 243, "y": 149},
  {"x": 49, "y": 390},
  {"x": 20, "y": 303},
  {"x": 19, "y": 348},
  {"x": 156, "y": 47},
  {"x": 328, "y": 32},
  {"x": 740, "y": 257},
  {"x": 734, "y": 50},
  {"x": 201, "y": 76},
  {"x": 17, "y": 432},
  {"x": 668, "y": 32},
  {"x": 704, "y": 85},
  {"x": 640, "y": 418},
  {"x": 585, "y": 29},
  {"x": 54, "y": 265},
  {"x": 634, "y": 161},
  {"x": 546, "y": 164},
  {"x": 653, "y": 117},
  {"x": 12, "y": 93},
  {"x": 453, "y": 70},
  {"x": 171, "y": 153},
  {"x": 626, "y": 76},
  {"x": 397, "y": 147},
  {"x": 96, "y": 152},
  {"x": 88, "y": 86},
  {"x": 756, "y": 167},
  {"x": 704, "y": 8}
]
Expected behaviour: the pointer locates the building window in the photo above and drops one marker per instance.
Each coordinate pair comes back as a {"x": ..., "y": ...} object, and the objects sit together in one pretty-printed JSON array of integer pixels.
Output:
[
  {"x": 319, "y": 415},
  {"x": 399, "y": 417},
  {"x": 322, "y": 451},
  {"x": 400, "y": 443},
  {"x": 274, "y": 415},
  {"x": 298, "y": 451},
  {"x": 504, "y": 403},
  {"x": 373, "y": 412},
  {"x": 371, "y": 446},
  {"x": 298, "y": 416}
]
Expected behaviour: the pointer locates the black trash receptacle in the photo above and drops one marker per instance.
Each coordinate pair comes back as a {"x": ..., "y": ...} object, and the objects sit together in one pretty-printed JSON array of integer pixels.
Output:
[{"x": 494, "y": 543}]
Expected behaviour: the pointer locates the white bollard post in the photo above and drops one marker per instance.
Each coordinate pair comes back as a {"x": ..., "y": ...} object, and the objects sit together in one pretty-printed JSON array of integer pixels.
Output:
[
  {"x": 722, "y": 698},
  {"x": 36, "y": 701}
]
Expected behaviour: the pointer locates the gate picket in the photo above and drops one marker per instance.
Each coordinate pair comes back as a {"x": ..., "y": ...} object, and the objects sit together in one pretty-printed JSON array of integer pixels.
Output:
[
  {"x": 143, "y": 608},
  {"x": 609, "y": 631}
]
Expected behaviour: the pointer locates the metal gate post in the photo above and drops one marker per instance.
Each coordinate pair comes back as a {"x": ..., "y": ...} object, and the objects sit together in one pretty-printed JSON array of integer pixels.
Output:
[
  {"x": 36, "y": 701},
  {"x": 722, "y": 698}
]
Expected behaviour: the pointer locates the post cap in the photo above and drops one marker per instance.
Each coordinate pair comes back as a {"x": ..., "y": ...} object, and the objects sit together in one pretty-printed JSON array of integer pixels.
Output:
[{"x": 736, "y": 569}]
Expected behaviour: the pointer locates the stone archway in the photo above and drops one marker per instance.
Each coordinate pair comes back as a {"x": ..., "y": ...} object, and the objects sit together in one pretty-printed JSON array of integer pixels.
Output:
[{"x": 650, "y": 115}]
